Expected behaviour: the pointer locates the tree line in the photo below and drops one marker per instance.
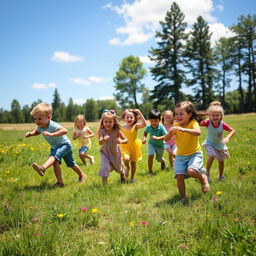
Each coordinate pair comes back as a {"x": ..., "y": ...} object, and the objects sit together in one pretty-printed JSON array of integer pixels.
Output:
[{"x": 181, "y": 59}]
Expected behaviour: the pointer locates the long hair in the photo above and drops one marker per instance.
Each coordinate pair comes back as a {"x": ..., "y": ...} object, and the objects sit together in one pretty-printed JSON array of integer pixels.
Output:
[
  {"x": 189, "y": 107},
  {"x": 113, "y": 116},
  {"x": 78, "y": 117},
  {"x": 170, "y": 113}
]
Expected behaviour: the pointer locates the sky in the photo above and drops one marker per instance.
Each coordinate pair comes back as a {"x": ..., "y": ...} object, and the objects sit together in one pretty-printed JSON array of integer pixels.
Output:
[{"x": 77, "y": 46}]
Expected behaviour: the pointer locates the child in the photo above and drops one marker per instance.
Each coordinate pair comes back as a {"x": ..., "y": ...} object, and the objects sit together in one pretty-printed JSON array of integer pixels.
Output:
[
  {"x": 110, "y": 136},
  {"x": 61, "y": 146},
  {"x": 83, "y": 134},
  {"x": 132, "y": 150},
  {"x": 170, "y": 145},
  {"x": 215, "y": 144},
  {"x": 155, "y": 146},
  {"x": 189, "y": 158}
]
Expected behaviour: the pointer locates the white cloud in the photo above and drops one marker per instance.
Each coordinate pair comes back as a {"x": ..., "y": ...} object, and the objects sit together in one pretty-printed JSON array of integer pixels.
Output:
[
  {"x": 146, "y": 60},
  {"x": 79, "y": 80},
  {"x": 220, "y": 7},
  {"x": 141, "y": 17},
  {"x": 65, "y": 57},
  {"x": 79, "y": 101},
  {"x": 219, "y": 30},
  {"x": 90, "y": 80},
  {"x": 43, "y": 86},
  {"x": 106, "y": 98}
]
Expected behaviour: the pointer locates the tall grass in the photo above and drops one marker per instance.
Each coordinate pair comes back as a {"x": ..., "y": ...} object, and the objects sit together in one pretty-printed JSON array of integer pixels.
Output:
[{"x": 144, "y": 218}]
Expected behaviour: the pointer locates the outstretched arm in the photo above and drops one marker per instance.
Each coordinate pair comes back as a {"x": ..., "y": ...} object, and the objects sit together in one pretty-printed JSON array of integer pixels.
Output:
[
  {"x": 33, "y": 133},
  {"x": 231, "y": 132},
  {"x": 61, "y": 131},
  {"x": 121, "y": 138},
  {"x": 142, "y": 122}
]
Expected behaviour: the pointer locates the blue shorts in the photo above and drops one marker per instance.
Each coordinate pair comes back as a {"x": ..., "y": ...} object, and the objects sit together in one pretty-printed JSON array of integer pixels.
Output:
[
  {"x": 183, "y": 163},
  {"x": 156, "y": 150},
  {"x": 83, "y": 149},
  {"x": 64, "y": 151}
]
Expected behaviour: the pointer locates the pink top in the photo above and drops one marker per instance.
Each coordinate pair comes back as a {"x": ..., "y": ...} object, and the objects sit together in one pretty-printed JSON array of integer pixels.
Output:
[
  {"x": 206, "y": 123},
  {"x": 171, "y": 141}
]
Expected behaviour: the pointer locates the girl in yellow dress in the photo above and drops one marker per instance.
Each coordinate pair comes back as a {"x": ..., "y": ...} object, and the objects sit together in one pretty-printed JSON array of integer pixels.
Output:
[{"x": 132, "y": 150}]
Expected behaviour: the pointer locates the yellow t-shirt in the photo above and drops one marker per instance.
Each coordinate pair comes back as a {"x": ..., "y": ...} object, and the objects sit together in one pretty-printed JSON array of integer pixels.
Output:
[
  {"x": 81, "y": 140},
  {"x": 187, "y": 144}
]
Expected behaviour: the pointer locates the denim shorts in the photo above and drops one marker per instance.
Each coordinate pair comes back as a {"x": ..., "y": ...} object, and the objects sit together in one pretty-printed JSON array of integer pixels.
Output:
[
  {"x": 156, "y": 150},
  {"x": 83, "y": 149},
  {"x": 64, "y": 151},
  {"x": 183, "y": 163}
]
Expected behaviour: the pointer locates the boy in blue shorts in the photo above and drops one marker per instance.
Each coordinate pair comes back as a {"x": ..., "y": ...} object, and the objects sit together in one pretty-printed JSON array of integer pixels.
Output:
[
  {"x": 56, "y": 136},
  {"x": 155, "y": 146}
]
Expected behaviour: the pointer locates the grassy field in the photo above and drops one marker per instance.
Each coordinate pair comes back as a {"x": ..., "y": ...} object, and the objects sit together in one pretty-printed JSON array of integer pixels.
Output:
[{"x": 144, "y": 218}]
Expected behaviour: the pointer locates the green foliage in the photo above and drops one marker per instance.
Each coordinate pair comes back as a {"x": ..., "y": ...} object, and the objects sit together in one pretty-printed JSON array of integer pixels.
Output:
[{"x": 141, "y": 218}]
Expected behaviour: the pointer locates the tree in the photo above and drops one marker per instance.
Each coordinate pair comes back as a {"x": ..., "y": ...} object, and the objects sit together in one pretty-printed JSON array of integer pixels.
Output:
[
  {"x": 107, "y": 104},
  {"x": 168, "y": 56},
  {"x": 224, "y": 52},
  {"x": 70, "y": 111},
  {"x": 26, "y": 114},
  {"x": 128, "y": 81},
  {"x": 17, "y": 116},
  {"x": 58, "y": 108},
  {"x": 91, "y": 110},
  {"x": 200, "y": 62}
]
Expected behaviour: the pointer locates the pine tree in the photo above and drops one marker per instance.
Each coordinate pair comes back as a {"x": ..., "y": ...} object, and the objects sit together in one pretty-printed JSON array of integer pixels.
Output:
[{"x": 168, "y": 56}]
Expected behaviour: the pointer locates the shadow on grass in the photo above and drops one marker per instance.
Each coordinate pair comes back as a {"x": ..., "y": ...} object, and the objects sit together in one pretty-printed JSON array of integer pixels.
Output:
[
  {"x": 176, "y": 199},
  {"x": 40, "y": 188}
]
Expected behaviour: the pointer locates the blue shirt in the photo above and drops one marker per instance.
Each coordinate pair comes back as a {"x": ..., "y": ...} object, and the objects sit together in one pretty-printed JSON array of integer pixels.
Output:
[
  {"x": 159, "y": 131},
  {"x": 54, "y": 141}
]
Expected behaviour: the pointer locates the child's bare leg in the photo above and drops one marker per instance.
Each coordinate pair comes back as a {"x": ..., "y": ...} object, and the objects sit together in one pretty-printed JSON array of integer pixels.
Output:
[
  {"x": 91, "y": 158},
  {"x": 127, "y": 165},
  {"x": 201, "y": 177},
  {"x": 104, "y": 181},
  {"x": 181, "y": 185},
  {"x": 133, "y": 170},
  {"x": 209, "y": 163},
  {"x": 150, "y": 164},
  {"x": 170, "y": 153},
  {"x": 49, "y": 162},
  {"x": 82, "y": 157},
  {"x": 77, "y": 169},
  {"x": 221, "y": 168},
  {"x": 57, "y": 171}
]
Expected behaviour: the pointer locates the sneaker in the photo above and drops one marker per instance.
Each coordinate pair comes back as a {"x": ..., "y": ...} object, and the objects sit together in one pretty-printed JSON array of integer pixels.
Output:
[
  {"x": 132, "y": 180},
  {"x": 183, "y": 201},
  {"x": 58, "y": 185},
  {"x": 92, "y": 160},
  {"x": 82, "y": 178},
  {"x": 221, "y": 178},
  {"x": 163, "y": 166},
  {"x": 39, "y": 169}
]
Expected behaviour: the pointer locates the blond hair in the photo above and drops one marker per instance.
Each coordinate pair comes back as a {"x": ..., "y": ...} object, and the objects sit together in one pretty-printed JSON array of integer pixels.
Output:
[
  {"x": 168, "y": 113},
  {"x": 111, "y": 115},
  {"x": 215, "y": 106},
  {"x": 44, "y": 108},
  {"x": 79, "y": 117}
]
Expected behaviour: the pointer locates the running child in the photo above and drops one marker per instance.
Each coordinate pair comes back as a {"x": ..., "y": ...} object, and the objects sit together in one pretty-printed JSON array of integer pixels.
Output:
[
  {"x": 110, "y": 138},
  {"x": 83, "y": 133},
  {"x": 215, "y": 142},
  {"x": 155, "y": 146},
  {"x": 170, "y": 146},
  {"x": 189, "y": 157},
  {"x": 131, "y": 151},
  {"x": 56, "y": 136}
]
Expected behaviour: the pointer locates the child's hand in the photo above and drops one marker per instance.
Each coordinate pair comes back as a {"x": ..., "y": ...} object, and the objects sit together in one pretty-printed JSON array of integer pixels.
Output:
[
  {"x": 106, "y": 137},
  {"x": 118, "y": 141},
  {"x": 154, "y": 137},
  {"x": 225, "y": 140},
  {"x": 28, "y": 134},
  {"x": 45, "y": 133},
  {"x": 86, "y": 137},
  {"x": 144, "y": 141}
]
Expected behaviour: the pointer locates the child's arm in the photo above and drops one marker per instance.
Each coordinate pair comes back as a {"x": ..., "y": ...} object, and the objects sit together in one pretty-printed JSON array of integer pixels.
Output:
[
  {"x": 121, "y": 138},
  {"x": 142, "y": 122},
  {"x": 90, "y": 134},
  {"x": 194, "y": 131},
  {"x": 102, "y": 139},
  {"x": 144, "y": 137},
  {"x": 61, "y": 131},
  {"x": 231, "y": 132},
  {"x": 76, "y": 135},
  {"x": 33, "y": 133},
  {"x": 167, "y": 136}
]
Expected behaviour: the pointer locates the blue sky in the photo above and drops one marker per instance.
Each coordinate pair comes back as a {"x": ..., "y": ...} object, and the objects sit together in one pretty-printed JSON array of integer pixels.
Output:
[{"x": 76, "y": 46}]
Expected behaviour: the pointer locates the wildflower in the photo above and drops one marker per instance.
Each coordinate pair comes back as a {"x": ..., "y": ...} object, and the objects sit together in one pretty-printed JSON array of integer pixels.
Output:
[
  {"x": 60, "y": 216},
  {"x": 35, "y": 220},
  {"x": 132, "y": 224},
  {"x": 183, "y": 246},
  {"x": 36, "y": 234},
  {"x": 218, "y": 193},
  {"x": 143, "y": 223},
  {"x": 84, "y": 209},
  {"x": 214, "y": 199},
  {"x": 7, "y": 171},
  {"x": 95, "y": 210}
]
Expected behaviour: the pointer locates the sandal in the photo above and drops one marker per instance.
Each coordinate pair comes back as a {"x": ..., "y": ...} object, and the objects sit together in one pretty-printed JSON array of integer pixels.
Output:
[
  {"x": 82, "y": 178},
  {"x": 38, "y": 168}
]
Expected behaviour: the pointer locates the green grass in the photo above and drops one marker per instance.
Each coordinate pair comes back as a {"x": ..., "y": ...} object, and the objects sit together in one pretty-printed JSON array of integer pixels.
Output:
[{"x": 38, "y": 220}]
